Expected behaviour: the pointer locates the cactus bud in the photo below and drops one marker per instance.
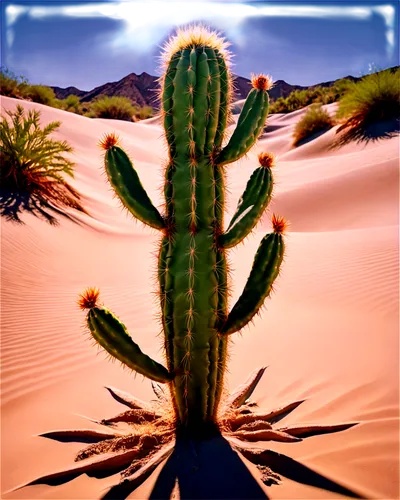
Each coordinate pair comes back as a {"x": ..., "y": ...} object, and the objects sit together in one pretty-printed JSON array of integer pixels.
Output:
[
  {"x": 267, "y": 160},
  {"x": 88, "y": 299},
  {"x": 109, "y": 141},
  {"x": 279, "y": 224},
  {"x": 262, "y": 82}
]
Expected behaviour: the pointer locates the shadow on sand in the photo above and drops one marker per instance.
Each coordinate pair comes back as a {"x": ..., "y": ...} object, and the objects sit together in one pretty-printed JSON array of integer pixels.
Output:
[
  {"x": 311, "y": 138},
  {"x": 213, "y": 469},
  {"x": 373, "y": 132},
  {"x": 13, "y": 205}
]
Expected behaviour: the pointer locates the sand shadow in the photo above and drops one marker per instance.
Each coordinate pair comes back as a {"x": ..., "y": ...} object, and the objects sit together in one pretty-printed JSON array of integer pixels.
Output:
[
  {"x": 268, "y": 128},
  {"x": 213, "y": 469},
  {"x": 208, "y": 469},
  {"x": 203, "y": 469},
  {"x": 13, "y": 205},
  {"x": 296, "y": 471},
  {"x": 72, "y": 439},
  {"x": 370, "y": 133},
  {"x": 311, "y": 137}
]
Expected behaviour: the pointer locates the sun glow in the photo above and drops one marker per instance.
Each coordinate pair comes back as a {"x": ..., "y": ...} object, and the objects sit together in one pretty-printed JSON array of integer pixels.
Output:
[{"x": 188, "y": 11}]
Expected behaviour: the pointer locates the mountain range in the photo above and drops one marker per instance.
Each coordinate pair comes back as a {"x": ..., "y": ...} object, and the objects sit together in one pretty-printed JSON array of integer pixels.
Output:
[{"x": 143, "y": 89}]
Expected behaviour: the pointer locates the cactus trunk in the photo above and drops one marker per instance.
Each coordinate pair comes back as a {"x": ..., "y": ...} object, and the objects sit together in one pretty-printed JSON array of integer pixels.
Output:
[
  {"x": 196, "y": 91},
  {"x": 191, "y": 267}
]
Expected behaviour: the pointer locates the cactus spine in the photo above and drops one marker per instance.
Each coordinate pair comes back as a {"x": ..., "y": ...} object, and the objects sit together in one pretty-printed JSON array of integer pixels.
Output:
[{"x": 192, "y": 269}]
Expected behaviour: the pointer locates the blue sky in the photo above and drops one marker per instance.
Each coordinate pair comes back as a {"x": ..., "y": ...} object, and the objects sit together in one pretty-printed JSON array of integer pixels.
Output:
[{"x": 86, "y": 44}]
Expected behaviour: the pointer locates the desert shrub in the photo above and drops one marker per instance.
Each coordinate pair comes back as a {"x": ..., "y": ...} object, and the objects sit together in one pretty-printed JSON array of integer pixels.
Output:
[
  {"x": 12, "y": 85},
  {"x": 71, "y": 103},
  {"x": 41, "y": 94},
  {"x": 57, "y": 103},
  {"x": 119, "y": 108},
  {"x": 144, "y": 112},
  {"x": 301, "y": 98},
  {"x": 315, "y": 95},
  {"x": 314, "y": 120},
  {"x": 328, "y": 95},
  {"x": 86, "y": 109},
  {"x": 278, "y": 106},
  {"x": 340, "y": 87},
  {"x": 89, "y": 114},
  {"x": 295, "y": 100},
  {"x": 374, "y": 99},
  {"x": 33, "y": 165}
]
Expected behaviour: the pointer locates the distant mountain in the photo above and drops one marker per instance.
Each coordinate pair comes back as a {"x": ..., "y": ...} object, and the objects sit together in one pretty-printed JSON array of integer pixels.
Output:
[
  {"x": 63, "y": 93},
  {"x": 143, "y": 89}
]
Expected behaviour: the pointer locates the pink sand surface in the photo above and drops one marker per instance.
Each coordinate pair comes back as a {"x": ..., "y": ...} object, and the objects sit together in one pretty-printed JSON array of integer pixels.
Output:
[{"x": 328, "y": 335}]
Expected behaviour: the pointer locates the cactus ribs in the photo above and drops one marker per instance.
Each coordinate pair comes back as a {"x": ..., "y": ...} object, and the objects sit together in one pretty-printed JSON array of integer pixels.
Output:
[{"x": 195, "y": 95}]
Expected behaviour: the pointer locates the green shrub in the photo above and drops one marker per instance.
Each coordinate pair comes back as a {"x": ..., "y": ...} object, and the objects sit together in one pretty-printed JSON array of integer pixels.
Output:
[
  {"x": 144, "y": 112},
  {"x": 71, "y": 103},
  {"x": 341, "y": 87},
  {"x": 296, "y": 100},
  {"x": 41, "y": 94},
  {"x": 57, "y": 103},
  {"x": 119, "y": 108},
  {"x": 301, "y": 98},
  {"x": 86, "y": 109},
  {"x": 33, "y": 165},
  {"x": 315, "y": 120},
  {"x": 335, "y": 92},
  {"x": 12, "y": 85},
  {"x": 374, "y": 99},
  {"x": 279, "y": 106}
]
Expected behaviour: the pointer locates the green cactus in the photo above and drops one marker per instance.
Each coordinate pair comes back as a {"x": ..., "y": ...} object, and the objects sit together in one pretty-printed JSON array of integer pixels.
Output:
[
  {"x": 193, "y": 283},
  {"x": 196, "y": 97}
]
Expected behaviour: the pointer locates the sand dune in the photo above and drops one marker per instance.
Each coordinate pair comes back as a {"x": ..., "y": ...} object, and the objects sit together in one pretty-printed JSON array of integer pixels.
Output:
[{"x": 329, "y": 334}]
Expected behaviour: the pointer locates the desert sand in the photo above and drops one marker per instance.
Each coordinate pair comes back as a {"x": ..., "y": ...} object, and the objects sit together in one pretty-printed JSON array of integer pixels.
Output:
[{"x": 329, "y": 334}]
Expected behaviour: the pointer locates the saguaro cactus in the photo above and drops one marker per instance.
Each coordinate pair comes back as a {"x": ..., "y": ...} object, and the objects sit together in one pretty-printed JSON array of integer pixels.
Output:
[
  {"x": 192, "y": 270},
  {"x": 193, "y": 280}
]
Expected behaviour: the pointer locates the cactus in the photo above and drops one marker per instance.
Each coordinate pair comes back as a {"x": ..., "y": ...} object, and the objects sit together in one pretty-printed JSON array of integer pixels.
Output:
[
  {"x": 192, "y": 270},
  {"x": 193, "y": 278}
]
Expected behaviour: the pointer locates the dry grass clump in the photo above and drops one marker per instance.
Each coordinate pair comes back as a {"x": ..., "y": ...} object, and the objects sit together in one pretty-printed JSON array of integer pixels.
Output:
[
  {"x": 373, "y": 100},
  {"x": 71, "y": 103},
  {"x": 117, "y": 108},
  {"x": 143, "y": 113},
  {"x": 41, "y": 94},
  {"x": 12, "y": 85},
  {"x": 314, "y": 121}
]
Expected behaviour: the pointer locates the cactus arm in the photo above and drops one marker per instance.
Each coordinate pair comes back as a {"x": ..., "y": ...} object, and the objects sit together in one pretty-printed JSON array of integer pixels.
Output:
[
  {"x": 250, "y": 125},
  {"x": 126, "y": 183},
  {"x": 265, "y": 270},
  {"x": 111, "y": 334},
  {"x": 250, "y": 208}
]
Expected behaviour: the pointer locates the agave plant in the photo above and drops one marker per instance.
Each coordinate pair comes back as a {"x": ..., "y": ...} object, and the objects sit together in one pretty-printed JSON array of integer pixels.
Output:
[
  {"x": 33, "y": 165},
  {"x": 192, "y": 401}
]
